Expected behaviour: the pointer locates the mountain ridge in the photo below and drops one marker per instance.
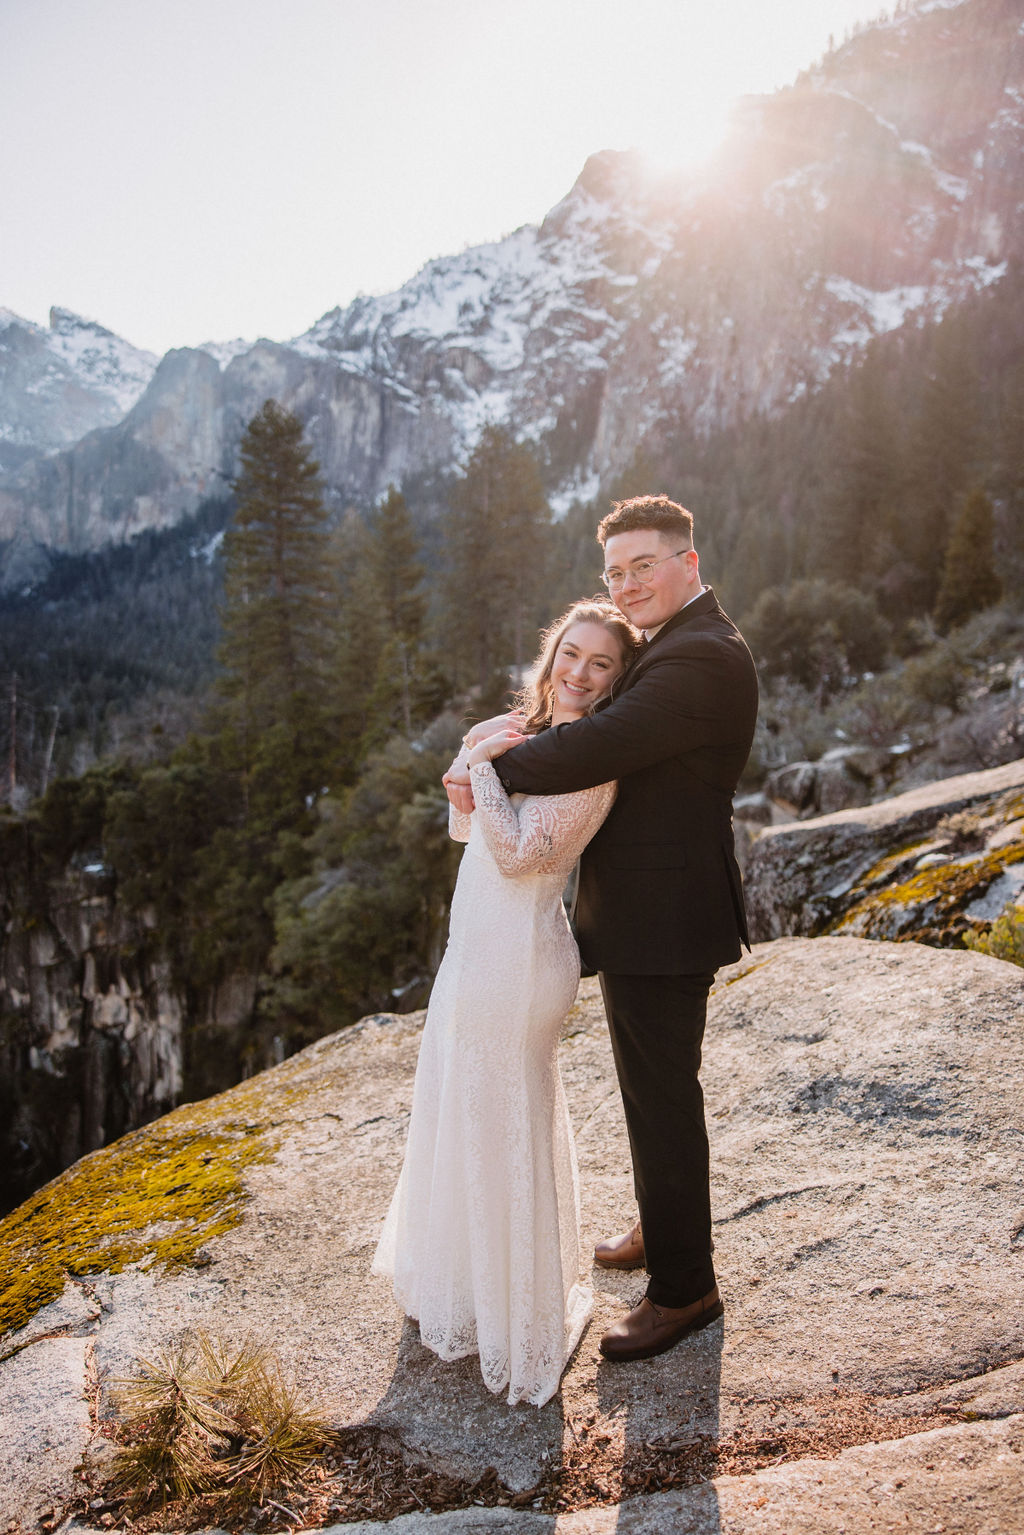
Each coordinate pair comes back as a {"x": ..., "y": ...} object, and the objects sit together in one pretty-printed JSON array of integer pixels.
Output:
[
  {"x": 880, "y": 189},
  {"x": 79, "y": 374}
]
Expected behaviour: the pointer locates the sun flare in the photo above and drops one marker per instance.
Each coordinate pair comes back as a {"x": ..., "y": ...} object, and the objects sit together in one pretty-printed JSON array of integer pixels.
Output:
[{"x": 687, "y": 137}]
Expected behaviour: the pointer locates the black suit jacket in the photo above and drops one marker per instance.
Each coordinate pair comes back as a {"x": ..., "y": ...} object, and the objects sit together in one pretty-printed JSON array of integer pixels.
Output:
[{"x": 659, "y": 889}]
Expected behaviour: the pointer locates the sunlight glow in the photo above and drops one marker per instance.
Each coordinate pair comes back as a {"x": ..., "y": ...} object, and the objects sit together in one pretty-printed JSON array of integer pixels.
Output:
[
  {"x": 687, "y": 138},
  {"x": 221, "y": 168}
]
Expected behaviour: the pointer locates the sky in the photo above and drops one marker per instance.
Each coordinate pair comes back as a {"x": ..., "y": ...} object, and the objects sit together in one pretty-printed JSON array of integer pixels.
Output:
[{"x": 196, "y": 170}]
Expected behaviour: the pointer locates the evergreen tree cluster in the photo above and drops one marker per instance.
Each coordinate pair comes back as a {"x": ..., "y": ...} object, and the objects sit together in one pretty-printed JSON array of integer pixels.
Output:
[
  {"x": 864, "y": 483},
  {"x": 298, "y": 833},
  {"x": 109, "y": 650}
]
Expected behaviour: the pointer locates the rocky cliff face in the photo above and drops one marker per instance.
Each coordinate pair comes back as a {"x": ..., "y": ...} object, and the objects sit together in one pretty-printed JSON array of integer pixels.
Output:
[
  {"x": 96, "y": 1035},
  {"x": 880, "y": 188},
  {"x": 90, "y": 1037}
]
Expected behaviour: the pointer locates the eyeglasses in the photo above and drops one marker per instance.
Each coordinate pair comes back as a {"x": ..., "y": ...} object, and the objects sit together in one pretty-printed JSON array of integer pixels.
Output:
[{"x": 642, "y": 571}]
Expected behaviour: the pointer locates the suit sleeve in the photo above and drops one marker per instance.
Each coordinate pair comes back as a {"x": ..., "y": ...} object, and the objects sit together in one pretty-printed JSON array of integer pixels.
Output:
[{"x": 682, "y": 701}]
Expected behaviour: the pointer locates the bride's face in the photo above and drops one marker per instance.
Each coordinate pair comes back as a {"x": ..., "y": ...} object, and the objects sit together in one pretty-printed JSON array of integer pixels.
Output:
[{"x": 587, "y": 662}]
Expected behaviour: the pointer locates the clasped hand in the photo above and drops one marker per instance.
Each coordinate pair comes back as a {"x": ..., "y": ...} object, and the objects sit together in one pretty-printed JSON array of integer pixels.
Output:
[{"x": 483, "y": 743}]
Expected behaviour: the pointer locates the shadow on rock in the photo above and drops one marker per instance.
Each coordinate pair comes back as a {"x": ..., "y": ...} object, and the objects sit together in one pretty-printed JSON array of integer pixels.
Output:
[
  {"x": 656, "y": 1428},
  {"x": 445, "y": 1416}
]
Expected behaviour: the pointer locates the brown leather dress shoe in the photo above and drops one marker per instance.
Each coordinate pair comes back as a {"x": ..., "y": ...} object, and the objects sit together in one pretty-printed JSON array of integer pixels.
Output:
[
  {"x": 624, "y": 1252},
  {"x": 651, "y": 1329}
]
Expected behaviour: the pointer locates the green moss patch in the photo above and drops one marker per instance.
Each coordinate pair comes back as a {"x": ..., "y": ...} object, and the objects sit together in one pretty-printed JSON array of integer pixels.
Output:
[{"x": 155, "y": 1197}]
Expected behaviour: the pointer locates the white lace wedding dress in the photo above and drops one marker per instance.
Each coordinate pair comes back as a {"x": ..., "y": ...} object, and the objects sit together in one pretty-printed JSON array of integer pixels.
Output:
[{"x": 482, "y": 1237}]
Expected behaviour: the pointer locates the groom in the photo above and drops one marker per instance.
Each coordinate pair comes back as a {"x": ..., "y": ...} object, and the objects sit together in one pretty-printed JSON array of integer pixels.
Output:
[{"x": 660, "y": 904}]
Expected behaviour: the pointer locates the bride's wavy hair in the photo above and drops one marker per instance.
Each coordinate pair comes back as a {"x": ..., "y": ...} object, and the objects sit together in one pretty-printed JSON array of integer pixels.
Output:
[{"x": 537, "y": 696}]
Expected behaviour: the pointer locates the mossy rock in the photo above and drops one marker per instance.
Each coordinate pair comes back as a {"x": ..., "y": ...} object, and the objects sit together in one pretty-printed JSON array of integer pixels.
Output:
[
  {"x": 154, "y": 1197},
  {"x": 930, "y": 906},
  {"x": 930, "y": 865}
]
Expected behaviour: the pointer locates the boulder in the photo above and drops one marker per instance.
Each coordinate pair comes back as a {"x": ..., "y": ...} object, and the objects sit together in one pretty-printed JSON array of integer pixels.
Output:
[
  {"x": 844, "y": 776},
  {"x": 931, "y": 865},
  {"x": 865, "y": 1113}
]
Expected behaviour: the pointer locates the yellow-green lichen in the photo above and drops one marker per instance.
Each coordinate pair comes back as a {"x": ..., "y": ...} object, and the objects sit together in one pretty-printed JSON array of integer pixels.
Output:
[
  {"x": 883, "y": 870},
  {"x": 154, "y": 1197},
  {"x": 931, "y": 900}
]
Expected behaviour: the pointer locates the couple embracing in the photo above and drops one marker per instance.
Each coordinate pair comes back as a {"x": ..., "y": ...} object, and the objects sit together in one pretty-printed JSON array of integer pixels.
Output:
[{"x": 626, "y": 753}]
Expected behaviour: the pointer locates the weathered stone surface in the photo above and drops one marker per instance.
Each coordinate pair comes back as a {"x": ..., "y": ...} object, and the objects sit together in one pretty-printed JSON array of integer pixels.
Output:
[
  {"x": 929, "y": 864},
  {"x": 865, "y": 1115},
  {"x": 45, "y": 1428},
  {"x": 967, "y": 1480}
]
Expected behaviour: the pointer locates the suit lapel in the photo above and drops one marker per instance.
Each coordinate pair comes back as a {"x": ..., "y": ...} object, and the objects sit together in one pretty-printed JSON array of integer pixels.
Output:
[{"x": 705, "y": 603}]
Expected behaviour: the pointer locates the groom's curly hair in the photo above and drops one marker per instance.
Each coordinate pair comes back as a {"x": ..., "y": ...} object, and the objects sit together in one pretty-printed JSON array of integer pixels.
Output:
[{"x": 647, "y": 513}]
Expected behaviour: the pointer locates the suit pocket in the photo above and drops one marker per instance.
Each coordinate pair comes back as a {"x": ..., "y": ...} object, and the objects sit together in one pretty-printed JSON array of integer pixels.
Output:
[{"x": 646, "y": 855}]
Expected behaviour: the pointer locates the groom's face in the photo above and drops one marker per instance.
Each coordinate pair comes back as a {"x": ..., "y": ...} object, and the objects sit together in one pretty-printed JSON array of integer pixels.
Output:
[{"x": 672, "y": 582}]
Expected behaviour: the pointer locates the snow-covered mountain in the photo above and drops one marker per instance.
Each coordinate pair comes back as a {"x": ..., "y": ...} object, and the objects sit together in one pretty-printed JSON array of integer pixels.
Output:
[
  {"x": 883, "y": 186},
  {"x": 57, "y": 384}
]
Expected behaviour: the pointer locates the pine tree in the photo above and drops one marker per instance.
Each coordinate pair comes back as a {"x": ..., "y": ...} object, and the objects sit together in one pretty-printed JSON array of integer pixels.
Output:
[
  {"x": 856, "y": 540},
  {"x": 279, "y": 607},
  {"x": 819, "y": 633},
  {"x": 397, "y": 577},
  {"x": 946, "y": 446},
  {"x": 359, "y": 639},
  {"x": 497, "y": 549},
  {"x": 384, "y": 677},
  {"x": 969, "y": 580},
  {"x": 369, "y": 921},
  {"x": 395, "y": 567}
]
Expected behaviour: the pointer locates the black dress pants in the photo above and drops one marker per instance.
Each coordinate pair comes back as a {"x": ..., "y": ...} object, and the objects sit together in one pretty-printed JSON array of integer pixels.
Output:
[{"x": 657, "y": 1029}]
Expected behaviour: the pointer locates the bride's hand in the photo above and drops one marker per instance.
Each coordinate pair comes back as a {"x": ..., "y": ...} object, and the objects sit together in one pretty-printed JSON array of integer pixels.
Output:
[
  {"x": 493, "y": 745},
  {"x": 479, "y": 732}
]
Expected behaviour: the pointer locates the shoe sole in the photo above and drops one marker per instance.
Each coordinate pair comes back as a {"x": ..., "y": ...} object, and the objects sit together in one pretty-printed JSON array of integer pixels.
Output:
[
  {"x": 626, "y": 1264},
  {"x": 711, "y": 1315}
]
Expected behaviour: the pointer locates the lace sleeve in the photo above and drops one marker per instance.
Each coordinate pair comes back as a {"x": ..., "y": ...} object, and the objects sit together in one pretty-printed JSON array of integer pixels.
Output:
[
  {"x": 459, "y": 824},
  {"x": 545, "y": 832}
]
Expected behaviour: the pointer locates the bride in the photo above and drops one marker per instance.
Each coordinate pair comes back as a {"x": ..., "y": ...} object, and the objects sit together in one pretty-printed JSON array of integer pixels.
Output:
[{"x": 482, "y": 1237}]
